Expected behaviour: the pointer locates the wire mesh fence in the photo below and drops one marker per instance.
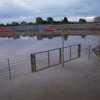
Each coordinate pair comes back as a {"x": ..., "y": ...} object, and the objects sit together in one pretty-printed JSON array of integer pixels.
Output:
[
  {"x": 49, "y": 58},
  {"x": 21, "y": 65},
  {"x": 15, "y": 66},
  {"x": 4, "y": 69}
]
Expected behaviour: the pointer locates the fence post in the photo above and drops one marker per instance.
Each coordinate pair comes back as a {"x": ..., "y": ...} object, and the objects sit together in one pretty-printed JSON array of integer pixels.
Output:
[
  {"x": 79, "y": 50},
  {"x": 48, "y": 58},
  {"x": 89, "y": 53},
  {"x": 60, "y": 57},
  {"x": 33, "y": 62},
  {"x": 9, "y": 69},
  {"x": 70, "y": 53}
]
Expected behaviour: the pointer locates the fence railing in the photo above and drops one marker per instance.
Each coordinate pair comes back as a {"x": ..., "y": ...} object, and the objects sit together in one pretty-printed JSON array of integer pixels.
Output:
[
  {"x": 53, "y": 57},
  {"x": 4, "y": 69},
  {"x": 96, "y": 51},
  {"x": 19, "y": 65},
  {"x": 14, "y": 66}
]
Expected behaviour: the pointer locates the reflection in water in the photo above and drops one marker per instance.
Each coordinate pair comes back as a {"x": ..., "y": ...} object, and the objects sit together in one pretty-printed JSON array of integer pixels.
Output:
[{"x": 26, "y": 45}]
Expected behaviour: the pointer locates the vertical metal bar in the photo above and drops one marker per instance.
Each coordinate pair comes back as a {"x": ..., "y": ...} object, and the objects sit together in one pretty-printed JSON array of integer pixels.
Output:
[
  {"x": 79, "y": 50},
  {"x": 60, "y": 59},
  {"x": 9, "y": 69},
  {"x": 70, "y": 54},
  {"x": 48, "y": 58},
  {"x": 62, "y": 51},
  {"x": 89, "y": 54},
  {"x": 33, "y": 62}
]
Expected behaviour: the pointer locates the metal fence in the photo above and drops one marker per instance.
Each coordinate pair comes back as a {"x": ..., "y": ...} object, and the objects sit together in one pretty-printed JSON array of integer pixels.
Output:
[
  {"x": 53, "y": 57},
  {"x": 14, "y": 66},
  {"x": 4, "y": 69},
  {"x": 19, "y": 65}
]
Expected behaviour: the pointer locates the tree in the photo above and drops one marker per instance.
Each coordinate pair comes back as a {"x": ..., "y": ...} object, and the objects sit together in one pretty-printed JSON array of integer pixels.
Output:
[
  {"x": 8, "y": 24},
  {"x": 82, "y": 20},
  {"x": 50, "y": 20},
  {"x": 39, "y": 20},
  {"x": 14, "y": 23},
  {"x": 23, "y": 23},
  {"x": 65, "y": 20},
  {"x": 2, "y": 24},
  {"x": 30, "y": 23}
]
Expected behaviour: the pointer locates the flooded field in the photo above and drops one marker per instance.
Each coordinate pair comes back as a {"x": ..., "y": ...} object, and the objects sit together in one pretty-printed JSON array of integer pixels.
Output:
[{"x": 15, "y": 53}]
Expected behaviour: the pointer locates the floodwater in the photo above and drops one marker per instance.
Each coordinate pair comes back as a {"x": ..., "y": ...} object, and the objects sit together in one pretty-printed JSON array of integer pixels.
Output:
[
  {"x": 26, "y": 45},
  {"x": 78, "y": 79},
  {"x": 18, "y": 52}
]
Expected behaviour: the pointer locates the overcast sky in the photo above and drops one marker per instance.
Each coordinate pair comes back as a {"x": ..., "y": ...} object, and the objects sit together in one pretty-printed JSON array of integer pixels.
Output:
[{"x": 19, "y": 10}]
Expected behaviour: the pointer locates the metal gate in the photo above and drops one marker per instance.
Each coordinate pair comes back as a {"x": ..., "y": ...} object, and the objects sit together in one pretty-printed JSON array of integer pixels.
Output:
[{"x": 53, "y": 57}]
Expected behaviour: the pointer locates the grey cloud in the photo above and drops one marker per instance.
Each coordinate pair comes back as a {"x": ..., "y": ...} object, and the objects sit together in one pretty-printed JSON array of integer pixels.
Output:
[{"x": 81, "y": 8}]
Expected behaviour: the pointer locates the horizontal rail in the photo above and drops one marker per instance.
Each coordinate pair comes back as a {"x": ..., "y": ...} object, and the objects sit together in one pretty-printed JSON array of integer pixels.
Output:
[
  {"x": 60, "y": 54},
  {"x": 54, "y": 49},
  {"x": 12, "y": 67}
]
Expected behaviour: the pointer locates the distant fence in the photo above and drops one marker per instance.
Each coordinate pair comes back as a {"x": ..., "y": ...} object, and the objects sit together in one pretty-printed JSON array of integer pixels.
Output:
[
  {"x": 19, "y": 65},
  {"x": 14, "y": 66},
  {"x": 96, "y": 51},
  {"x": 4, "y": 69},
  {"x": 53, "y": 57}
]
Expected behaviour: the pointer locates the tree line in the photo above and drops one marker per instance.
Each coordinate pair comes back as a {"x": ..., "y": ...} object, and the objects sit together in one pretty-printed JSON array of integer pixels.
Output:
[{"x": 40, "y": 20}]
